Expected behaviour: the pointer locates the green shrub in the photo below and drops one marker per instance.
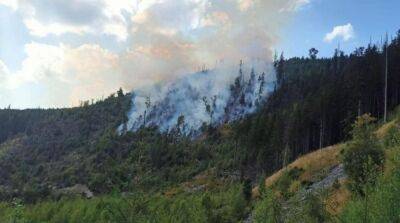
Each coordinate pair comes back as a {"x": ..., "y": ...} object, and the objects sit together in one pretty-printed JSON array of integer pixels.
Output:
[
  {"x": 17, "y": 213},
  {"x": 383, "y": 204},
  {"x": 392, "y": 138},
  {"x": 226, "y": 204},
  {"x": 268, "y": 210},
  {"x": 262, "y": 189},
  {"x": 363, "y": 157},
  {"x": 284, "y": 183},
  {"x": 313, "y": 210},
  {"x": 247, "y": 189}
]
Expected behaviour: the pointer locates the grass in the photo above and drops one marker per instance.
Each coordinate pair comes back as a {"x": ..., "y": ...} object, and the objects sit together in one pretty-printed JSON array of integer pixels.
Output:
[
  {"x": 324, "y": 158},
  {"x": 383, "y": 130},
  {"x": 315, "y": 163},
  {"x": 224, "y": 205},
  {"x": 310, "y": 163},
  {"x": 337, "y": 199}
]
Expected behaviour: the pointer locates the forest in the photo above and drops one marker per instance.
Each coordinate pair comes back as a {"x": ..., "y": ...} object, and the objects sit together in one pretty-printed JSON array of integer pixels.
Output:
[{"x": 315, "y": 103}]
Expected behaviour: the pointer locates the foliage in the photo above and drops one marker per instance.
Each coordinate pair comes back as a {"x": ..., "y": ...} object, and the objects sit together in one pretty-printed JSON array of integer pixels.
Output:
[
  {"x": 46, "y": 148},
  {"x": 262, "y": 189},
  {"x": 314, "y": 104},
  {"x": 247, "y": 188},
  {"x": 363, "y": 157},
  {"x": 284, "y": 183},
  {"x": 268, "y": 210},
  {"x": 392, "y": 138},
  {"x": 314, "y": 209},
  {"x": 226, "y": 205},
  {"x": 383, "y": 203}
]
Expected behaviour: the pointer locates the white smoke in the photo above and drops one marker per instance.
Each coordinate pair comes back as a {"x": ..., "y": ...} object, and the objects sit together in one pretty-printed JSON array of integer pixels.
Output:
[
  {"x": 101, "y": 45},
  {"x": 174, "y": 37},
  {"x": 210, "y": 97},
  {"x": 177, "y": 36}
]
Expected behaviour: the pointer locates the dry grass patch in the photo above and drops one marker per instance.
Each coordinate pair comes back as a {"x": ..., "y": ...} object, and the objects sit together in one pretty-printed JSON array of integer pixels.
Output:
[
  {"x": 383, "y": 130},
  {"x": 255, "y": 193},
  {"x": 172, "y": 192},
  {"x": 337, "y": 200},
  {"x": 311, "y": 163},
  {"x": 225, "y": 130}
]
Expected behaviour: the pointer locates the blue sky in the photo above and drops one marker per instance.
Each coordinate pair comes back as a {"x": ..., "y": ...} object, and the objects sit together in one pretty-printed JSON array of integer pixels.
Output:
[
  {"x": 56, "y": 53},
  {"x": 370, "y": 19},
  {"x": 13, "y": 36}
]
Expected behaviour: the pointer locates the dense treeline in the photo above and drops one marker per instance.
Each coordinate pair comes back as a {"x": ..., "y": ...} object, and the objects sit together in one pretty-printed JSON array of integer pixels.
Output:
[
  {"x": 313, "y": 105},
  {"x": 44, "y": 147},
  {"x": 372, "y": 164},
  {"x": 317, "y": 100},
  {"x": 15, "y": 121}
]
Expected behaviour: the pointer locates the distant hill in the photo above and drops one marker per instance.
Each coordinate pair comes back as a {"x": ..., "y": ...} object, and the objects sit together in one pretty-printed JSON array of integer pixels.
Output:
[{"x": 128, "y": 144}]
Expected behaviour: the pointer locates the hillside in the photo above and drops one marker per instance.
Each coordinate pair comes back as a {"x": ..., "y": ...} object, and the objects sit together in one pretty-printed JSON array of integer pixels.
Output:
[
  {"x": 319, "y": 179},
  {"x": 310, "y": 188},
  {"x": 320, "y": 160},
  {"x": 50, "y": 157},
  {"x": 211, "y": 97},
  {"x": 310, "y": 163},
  {"x": 44, "y": 148}
]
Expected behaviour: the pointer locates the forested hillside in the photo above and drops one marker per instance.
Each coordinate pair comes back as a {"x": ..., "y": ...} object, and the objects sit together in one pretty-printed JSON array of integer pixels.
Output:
[
  {"x": 316, "y": 100},
  {"x": 314, "y": 104},
  {"x": 44, "y": 146}
]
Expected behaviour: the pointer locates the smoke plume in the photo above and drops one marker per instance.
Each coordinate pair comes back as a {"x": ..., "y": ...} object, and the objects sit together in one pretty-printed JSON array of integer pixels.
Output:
[
  {"x": 178, "y": 37},
  {"x": 84, "y": 49},
  {"x": 175, "y": 37},
  {"x": 206, "y": 98}
]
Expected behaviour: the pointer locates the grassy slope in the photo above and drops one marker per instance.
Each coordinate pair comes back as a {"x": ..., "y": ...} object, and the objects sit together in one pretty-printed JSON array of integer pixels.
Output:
[{"x": 313, "y": 163}]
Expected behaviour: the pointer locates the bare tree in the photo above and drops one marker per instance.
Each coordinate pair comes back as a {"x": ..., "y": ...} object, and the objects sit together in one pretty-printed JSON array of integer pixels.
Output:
[
  {"x": 148, "y": 104},
  {"x": 386, "y": 79},
  {"x": 210, "y": 107}
]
